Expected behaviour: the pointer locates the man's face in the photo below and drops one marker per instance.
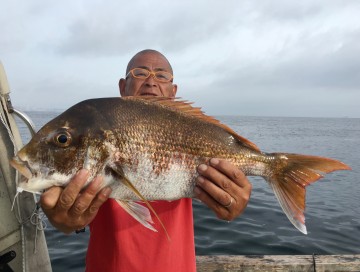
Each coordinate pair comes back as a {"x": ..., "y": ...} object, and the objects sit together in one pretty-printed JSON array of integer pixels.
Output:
[{"x": 137, "y": 87}]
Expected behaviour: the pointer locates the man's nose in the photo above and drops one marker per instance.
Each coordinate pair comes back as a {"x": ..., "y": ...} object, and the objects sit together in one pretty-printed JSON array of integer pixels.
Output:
[{"x": 150, "y": 81}]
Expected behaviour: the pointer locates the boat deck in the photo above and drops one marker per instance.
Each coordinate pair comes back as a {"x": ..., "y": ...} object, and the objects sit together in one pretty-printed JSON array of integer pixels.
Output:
[{"x": 265, "y": 263}]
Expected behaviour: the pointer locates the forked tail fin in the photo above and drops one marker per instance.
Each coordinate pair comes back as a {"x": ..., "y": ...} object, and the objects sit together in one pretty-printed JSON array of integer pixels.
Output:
[{"x": 289, "y": 177}]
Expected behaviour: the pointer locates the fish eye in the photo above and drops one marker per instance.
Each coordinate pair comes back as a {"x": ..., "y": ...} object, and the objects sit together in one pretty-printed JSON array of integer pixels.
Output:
[{"x": 62, "y": 139}]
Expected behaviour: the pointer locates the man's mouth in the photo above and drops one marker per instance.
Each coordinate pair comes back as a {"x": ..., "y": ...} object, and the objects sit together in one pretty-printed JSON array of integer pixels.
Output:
[{"x": 148, "y": 94}]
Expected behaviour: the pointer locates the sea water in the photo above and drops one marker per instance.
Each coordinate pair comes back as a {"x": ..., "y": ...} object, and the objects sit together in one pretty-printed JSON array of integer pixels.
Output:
[{"x": 332, "y": 204}]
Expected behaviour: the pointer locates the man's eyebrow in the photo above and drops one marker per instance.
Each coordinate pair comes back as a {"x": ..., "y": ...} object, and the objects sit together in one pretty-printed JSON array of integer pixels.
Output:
[
  {"x": 156, "y": 69},
  {"x": 143, "y": 67}
]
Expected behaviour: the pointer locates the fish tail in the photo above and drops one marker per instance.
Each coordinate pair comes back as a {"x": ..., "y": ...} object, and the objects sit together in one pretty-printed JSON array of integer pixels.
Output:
[{"x": 288, "y": 177}]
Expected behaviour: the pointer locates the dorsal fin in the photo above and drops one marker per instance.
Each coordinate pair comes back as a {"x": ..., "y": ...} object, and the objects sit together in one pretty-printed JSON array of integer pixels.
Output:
[{"x": 185, "y": 107}]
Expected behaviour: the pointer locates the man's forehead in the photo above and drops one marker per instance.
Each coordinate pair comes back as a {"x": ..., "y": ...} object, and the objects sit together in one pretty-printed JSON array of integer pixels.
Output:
[
  {"x": 152, "y": 68},
  {"x": 151, "y": 61}
]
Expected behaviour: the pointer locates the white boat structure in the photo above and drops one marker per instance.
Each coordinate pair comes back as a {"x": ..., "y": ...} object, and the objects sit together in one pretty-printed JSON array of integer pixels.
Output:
[{"x": 22, "y": 240}]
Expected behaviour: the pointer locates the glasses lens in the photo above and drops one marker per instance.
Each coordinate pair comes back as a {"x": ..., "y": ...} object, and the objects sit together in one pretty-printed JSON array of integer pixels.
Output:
[
  {"x": 140, "y": 73},
  {"x": 163, "y": 76}
]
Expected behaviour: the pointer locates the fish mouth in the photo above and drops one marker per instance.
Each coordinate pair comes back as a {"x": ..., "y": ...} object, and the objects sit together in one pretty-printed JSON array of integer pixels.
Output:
[{"x": 22, "y": 167}]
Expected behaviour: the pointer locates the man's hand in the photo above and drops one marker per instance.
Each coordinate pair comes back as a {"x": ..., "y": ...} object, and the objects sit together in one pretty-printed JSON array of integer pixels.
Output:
[
  {"x": 69, "y": 210},
  {"x": 223, "y": 188}
]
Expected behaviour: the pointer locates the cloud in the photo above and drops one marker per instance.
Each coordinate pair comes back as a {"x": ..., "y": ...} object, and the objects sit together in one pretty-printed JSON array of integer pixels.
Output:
[
  {"x": 164, "y": 25},
  {"x": 256, "y": 52}
]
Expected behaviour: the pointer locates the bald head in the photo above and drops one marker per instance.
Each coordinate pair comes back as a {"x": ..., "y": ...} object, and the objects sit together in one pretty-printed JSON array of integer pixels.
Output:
[{"x": 150, "y": 52}]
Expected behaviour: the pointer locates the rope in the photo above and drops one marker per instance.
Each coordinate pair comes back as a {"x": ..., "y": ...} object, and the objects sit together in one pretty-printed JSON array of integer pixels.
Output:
[
  {"x": 9, "y": 132},
  {"x": 36, "y": 218}
]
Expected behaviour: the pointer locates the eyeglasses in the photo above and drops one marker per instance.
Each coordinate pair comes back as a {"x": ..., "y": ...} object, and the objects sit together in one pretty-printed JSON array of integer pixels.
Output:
[{"x": 141, "y": 73}]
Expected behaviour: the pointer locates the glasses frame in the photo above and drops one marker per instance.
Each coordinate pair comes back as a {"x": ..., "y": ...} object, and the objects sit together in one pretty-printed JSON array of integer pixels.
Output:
[{"x": 150, "y": 73}]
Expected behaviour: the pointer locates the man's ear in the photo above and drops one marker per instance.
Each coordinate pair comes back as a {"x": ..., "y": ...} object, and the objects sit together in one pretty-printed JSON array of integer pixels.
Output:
[
  {"x": 174, "y": 90},
  {"x": 122, "y": 85}
]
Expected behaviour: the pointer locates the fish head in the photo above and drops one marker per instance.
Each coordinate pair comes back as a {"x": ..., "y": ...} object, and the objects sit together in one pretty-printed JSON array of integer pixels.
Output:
[{"x": 59, "y": 149}]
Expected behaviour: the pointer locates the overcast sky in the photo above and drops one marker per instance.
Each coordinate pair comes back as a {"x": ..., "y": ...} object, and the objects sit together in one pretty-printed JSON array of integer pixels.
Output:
[{"x": 250, "y": 58}]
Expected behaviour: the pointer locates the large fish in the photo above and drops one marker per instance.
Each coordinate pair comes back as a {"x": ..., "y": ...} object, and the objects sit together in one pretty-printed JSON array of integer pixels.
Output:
[{"x": 148, "y": 149}]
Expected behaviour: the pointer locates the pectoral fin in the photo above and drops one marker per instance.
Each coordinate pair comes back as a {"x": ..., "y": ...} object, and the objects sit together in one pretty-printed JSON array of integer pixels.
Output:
[{"x": 139, "y": 212}]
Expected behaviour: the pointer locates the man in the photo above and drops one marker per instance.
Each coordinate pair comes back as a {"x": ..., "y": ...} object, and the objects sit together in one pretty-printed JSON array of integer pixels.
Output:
[{"x": 117, "y": 241}]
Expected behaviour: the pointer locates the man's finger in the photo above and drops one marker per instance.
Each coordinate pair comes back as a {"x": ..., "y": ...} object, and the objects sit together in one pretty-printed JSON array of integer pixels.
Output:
[
  {"x": 220, "y": 211},
  {"x": 83, "y": 201},
  {"x": 71, "y": 191},
  {"x": 230, "y": 170},
  {"x": 101, "y": 197},
  {"x": 222, "y": 197},
  {"x": 216, "y": 177},
  {"x": 50, "y": 197}
]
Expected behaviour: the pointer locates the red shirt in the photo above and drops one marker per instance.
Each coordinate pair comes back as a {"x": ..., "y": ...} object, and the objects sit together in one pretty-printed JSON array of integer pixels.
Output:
[{"x": 120, "y": 243}]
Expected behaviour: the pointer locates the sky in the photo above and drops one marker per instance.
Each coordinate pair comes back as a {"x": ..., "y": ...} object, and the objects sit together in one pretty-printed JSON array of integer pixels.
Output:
[{"x": 230, "y": 57}]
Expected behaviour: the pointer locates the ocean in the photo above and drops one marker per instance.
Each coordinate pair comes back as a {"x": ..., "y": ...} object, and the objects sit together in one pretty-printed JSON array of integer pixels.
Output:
[{"x": 332, "y": 204}]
